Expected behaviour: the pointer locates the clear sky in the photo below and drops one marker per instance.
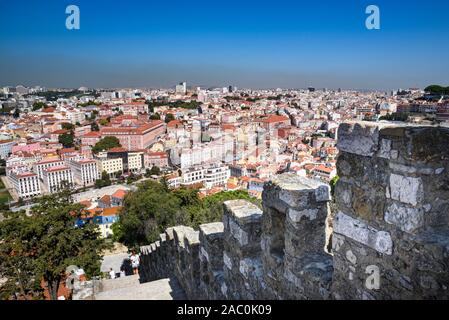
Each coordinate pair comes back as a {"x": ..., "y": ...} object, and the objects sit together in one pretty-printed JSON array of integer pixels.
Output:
[{"x": 258, "y": 44}]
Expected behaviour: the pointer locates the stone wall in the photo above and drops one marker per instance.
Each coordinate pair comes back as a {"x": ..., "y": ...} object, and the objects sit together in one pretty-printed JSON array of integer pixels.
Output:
[
  {"x": 390, "y": 234},
  {"x": 391, "y": 238}
]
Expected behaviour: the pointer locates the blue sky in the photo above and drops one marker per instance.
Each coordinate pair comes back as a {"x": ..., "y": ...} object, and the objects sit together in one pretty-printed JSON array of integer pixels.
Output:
[{"x": 259, "y": 44}]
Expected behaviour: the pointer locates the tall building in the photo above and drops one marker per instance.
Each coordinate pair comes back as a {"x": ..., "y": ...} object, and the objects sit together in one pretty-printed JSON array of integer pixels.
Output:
[
  {"x": 57, "y": 178},
  {"x": 25, "y": 183},
  {"x": 85, "y": 171},
  {"x": 181, "y": 88}
]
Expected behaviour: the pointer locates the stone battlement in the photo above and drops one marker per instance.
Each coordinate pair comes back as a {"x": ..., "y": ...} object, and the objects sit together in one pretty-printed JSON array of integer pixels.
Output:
[{"x": 390, "y": 234}]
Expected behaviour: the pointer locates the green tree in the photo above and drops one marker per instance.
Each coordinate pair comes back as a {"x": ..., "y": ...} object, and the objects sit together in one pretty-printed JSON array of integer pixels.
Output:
[
  {"x": 38, "y": 106},
  {"x": 147, "y": 212},
  {"x": 155, "y": 171},
  {"x": 106, "y": 143},
  {"x": 155, "y": 116},
  {"x": 104, "y": 122},
  {"x": 169, "y": 117},
  {"x": 94, "y": 126},
  {"x": 16, "y": 113},
  {"x": 153, "y": 207},
  {"x": 333, "y": 183},
  {"x": 67, "y": 126},
  {"x": 40, "y": 246},
  {"x": 66, "y": 140},
  {"x": 104, "y": 181}
]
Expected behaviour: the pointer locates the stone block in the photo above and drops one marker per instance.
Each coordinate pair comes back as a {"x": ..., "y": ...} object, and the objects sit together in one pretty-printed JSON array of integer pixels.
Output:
[{"x": 359, "y": 231}]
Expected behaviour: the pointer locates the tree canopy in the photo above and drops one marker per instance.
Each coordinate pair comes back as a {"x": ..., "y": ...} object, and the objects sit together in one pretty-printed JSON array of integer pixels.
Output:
[
  {"x": 106, "y": 143},
  {"x": 437, "y": 89},
  {"x": 38, "y": 105},
  {"x": 169, "y": 117},
  {"x": 152, "y": 208},
  {"x": 40, "y": 246},
  {"x": 66, "y": 140}
]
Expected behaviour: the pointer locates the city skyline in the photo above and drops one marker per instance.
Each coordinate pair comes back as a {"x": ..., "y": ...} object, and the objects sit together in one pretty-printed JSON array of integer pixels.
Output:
[{"x": 250, "y": 45}]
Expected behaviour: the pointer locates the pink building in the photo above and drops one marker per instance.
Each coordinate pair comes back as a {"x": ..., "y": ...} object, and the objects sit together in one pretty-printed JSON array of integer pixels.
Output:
[
  {"x": 91, "y": 138},
  {"x": 136, "y": 138},
  {"x": 29, "y": 148},
  {"x": 158, "y": 159}
]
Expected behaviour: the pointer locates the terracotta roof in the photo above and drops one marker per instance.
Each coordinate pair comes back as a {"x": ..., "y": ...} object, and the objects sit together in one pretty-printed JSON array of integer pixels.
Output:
[
  {"x": 58, "y": 168},
  {"x": 174, "y": 124},
  {"x": 119, "y": 194},
  {"x": 92, "y": 134},
  {"x": 111, "y": 211},
  {"x": 117, "y": 149},
  {"x": 105, "y": 199},
  {"x": 86, "y": 203},
  {"x": 275, "y": 118},
  {"x": 61, "y": 131}
]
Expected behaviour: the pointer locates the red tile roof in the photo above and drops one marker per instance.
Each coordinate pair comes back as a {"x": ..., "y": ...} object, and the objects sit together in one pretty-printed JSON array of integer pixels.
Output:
[{"x": 119, "y": 194}]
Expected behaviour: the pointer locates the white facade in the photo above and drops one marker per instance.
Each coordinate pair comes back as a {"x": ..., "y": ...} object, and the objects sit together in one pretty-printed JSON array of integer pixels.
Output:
[
  {"x": 76, "y": 116},
  {"x": 135, "y": 161},
  {"x": 6, "y": 148},
  {"x": 26, "y": 184},
  {"x": 217, "y": 176},
  {"x": 209, "y": 176},
  {"x": 85, "y": 171},
  {"x": 41, "y": 166},
  {"x": 56, "y": 178},
  {"x": 111, "y": 166}
]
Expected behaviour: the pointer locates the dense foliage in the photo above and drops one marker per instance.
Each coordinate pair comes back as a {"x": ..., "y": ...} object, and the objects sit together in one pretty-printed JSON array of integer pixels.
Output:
[
  {"x": 193, "y": 104},
  {"x": 40, "y": 246},
  {"x": 106, "y": 143},
  {"x": 436, "y": 89},
  {"x": 66, "y": 140},
  {"x": 104, "y": 181},
  {"x": 153, "y": 207},
  {"x": 38, "y": 106}
]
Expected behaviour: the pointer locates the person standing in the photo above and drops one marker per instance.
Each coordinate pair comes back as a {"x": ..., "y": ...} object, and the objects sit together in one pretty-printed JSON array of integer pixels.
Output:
[
  {"x": 112, "y": 274},
  {"x": 135, "y": 261}
]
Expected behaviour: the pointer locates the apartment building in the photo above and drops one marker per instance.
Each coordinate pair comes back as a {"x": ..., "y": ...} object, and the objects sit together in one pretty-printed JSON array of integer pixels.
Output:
[
  {"x": 111, "y": 166},
  {"x": 25, "y": 183},
  {"x": 40, "y": 166},
  {"x": 6, "y": 148},
  {"x": 138, "y": 137},
  {"x": 210, "y": 176},
  {"x": 216, "y": 176},
  {"x": 85, "y": 171},
  {"x": 57, "y": 178},
  {"x": 158, "y": 159}
]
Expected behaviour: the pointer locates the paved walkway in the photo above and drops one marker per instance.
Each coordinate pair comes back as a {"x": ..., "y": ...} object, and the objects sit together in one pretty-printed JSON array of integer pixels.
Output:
[{"x": 128, "y": 288}]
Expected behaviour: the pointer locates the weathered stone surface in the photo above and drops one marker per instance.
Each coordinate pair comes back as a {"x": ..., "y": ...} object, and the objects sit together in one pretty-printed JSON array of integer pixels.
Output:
[
  {"x": 390, "y": 237},
  {"x": 406, "y": 189},
  {"x": 406, "y": 218},
  {"x": 360, "y": 138},
  {"x": 361, "y": 232}
]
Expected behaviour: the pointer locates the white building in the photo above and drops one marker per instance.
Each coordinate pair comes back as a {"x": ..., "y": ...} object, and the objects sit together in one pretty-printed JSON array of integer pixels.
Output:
[
  {"x": 111, "y": 166},
  {"x": 135, "y": 161},
  {"x": 85, "y": 171},
  {"x": 210, "y": 176},
  {"x": 181, "y": 88},
  {"x": 76, "y": 116},
  {"x": 6, "y": 148},
  {"x": 25, "y": 183},
  {"x": 217, "y": 176},
  {"x": 41, "y": 166},
  {"x": 56, "y": 178}
]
